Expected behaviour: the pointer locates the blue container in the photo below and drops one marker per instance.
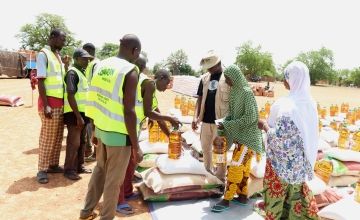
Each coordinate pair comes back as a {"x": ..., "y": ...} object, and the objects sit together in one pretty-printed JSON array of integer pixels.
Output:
[{"x": 31, "y": 64}]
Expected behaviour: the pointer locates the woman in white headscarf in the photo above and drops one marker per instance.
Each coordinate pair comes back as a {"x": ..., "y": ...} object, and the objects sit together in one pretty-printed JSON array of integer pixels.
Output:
[{"x": 291, "y": 149}]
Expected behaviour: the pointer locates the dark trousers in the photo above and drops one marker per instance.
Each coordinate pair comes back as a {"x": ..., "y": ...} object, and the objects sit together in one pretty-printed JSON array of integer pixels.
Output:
[
  {"x": 88, "y": 149},
  {"x": 75, "y": 147},
  {"x": 126, "y": 188}
]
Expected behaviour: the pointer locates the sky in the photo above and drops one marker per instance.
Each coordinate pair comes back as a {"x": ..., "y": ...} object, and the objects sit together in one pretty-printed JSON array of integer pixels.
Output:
[{"x": 282, "y": 27}]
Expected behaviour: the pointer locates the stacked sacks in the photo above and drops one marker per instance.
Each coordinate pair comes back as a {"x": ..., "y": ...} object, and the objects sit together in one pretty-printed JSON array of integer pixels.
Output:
[
  {"x": 182, "y": 179},
  {"x": 345, "y": 166}
]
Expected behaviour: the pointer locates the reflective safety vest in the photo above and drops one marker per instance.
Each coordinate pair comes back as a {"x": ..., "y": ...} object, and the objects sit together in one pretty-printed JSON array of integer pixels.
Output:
[
  {"x": 54, "y": 82},
  {"x": 105, "y": 96},
  {"x": 141, "y": 112},
  {"x": 89, "y": 71},
  {"x": 80, "y": 95}
]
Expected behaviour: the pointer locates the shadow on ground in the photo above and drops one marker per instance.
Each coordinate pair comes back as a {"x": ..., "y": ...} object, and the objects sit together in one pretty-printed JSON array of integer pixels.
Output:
[{"x": 29, "y": 184}]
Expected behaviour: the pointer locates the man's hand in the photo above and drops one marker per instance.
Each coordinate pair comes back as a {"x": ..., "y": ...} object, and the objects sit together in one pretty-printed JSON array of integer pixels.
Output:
[
  {"x": 137, "y": 154},
  {"x": 194, "y": 124},
  {"x": 80, "y": 122},
  {"x": 94, "y": 140},
  {"x": 48, "y": 112},
  {"x": 175, "y": 122}
]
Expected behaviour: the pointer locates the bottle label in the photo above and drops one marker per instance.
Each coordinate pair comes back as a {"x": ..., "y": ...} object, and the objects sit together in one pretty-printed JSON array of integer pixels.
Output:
[{"x": 219, "y": 158}]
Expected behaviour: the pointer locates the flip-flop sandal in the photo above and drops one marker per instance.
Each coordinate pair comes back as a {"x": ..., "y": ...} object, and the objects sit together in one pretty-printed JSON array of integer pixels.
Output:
[
  {"x": 90, "y": 217},
  {"x": 42, "y": 177},
  {"x": 239, "y": 203},
  {"x": 219, "y": 208},
  {"x": 122, "y": 208},
  {"x": 134, "y": 195}
]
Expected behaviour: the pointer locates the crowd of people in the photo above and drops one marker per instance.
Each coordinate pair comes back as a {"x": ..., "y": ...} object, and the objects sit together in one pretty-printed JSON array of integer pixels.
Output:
[{"x": 104, "y": 103}]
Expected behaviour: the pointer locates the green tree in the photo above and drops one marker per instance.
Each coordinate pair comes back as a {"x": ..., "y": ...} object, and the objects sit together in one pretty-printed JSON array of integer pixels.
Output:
[
  {"x": 320, "y": 64},
  {"x": 355, "y": 76},
  {"x": 177, "y": 62},
  {"x": 254, "y": 62},
  {"x": 107, "y": 50},
  {"x": 342, "y": 77},
  {"x": 35, "y": 36},
  {"x": 158, "y": 66},
  {"x": 185, "y": 69}
]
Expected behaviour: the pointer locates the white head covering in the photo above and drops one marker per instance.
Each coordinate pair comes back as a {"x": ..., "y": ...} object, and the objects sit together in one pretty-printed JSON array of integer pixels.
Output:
[{"x": 300, "y": 107}]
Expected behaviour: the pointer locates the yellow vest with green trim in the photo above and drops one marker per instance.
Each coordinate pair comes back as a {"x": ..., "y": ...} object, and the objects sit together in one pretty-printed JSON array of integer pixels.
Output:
[
  {"x": 54, "y": 82},
  {"x": 80, "y": 95},
  {"x": 141, "y": 112},
  {"x": 105, "y": 96},
  {"x": 89, "y": 71}
]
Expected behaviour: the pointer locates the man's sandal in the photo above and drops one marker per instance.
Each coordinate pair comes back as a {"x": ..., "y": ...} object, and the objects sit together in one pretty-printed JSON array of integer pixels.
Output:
[
  {"x": 42, "y": 177},
  {"x": 90, "y": 217},
  {"x": 125, "y": 209}
]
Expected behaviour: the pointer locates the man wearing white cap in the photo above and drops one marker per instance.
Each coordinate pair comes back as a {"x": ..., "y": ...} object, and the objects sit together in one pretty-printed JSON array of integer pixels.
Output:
[{"x": 212, "y": 104}]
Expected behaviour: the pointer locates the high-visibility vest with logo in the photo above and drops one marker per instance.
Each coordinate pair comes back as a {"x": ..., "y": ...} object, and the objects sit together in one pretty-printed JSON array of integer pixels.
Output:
[
  {"x": 141, "y": 112},
  {"x": 54, "y": 82},
  {"x": 105, "y": 96},
  {"x": 89, "y": 71},
  {"x": 80, "y": 95}
]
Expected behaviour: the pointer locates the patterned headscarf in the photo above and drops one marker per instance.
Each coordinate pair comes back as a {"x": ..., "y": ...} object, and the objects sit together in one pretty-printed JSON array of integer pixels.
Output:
[{"x": 241, "y": 124}]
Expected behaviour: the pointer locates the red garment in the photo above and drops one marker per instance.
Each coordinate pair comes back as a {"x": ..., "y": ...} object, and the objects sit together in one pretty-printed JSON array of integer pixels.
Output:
[
  {"x": 53, "y": 103},
  {"x": 126, "y": 189}
]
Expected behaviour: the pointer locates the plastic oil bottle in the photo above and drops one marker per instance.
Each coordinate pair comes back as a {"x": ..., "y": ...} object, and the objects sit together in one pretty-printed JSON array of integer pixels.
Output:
[
  {"x": 174, "y": 149},
  {"x": 347, "y": 107},
  {"x": 219, "y": 149},
  {"x": 184, "y": 106},
  {"x": 323, "y": 113},
  {"x": 336, "y": 110},
  {"x": 356, "y": 141},
  {"x": 154, "y": 132},
  {"x": 162, "y": 136},
  {"x": 177, "y": 101},
  {"x": 324, "y": 168},
  {"x": 262, "y": 114},
  {"x": 191, "y": 107},
  {"x": 267, "y": 108},
  {"x": 357, "y": 192},
  {"x": 333, "y": 125},
  {"x": 357, "y": 114},
  {"x": 332, "y": 110},
  {"x": 343, "y": 141},
  {"x": 343, "y": 108}
]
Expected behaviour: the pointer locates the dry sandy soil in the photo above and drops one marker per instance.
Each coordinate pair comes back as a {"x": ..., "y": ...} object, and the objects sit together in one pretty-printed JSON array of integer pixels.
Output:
[{"x": 21, "y": 197}]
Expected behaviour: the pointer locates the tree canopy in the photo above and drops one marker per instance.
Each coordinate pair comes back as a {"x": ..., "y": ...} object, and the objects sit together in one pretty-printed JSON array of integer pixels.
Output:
[
  {"x": 254, "y": 62},
  {"x": 35, "y": 36}
]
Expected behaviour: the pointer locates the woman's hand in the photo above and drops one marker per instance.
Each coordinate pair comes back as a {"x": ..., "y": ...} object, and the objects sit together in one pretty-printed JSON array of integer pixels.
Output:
[
  {"x": 263, "y": 125},
  {"x": 220, "y": 126}
]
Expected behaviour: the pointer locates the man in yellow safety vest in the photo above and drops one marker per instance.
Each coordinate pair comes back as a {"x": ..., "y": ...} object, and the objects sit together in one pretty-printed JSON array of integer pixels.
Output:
[
  {"x": 75, "y": 97},
  {"x": 112, "y": 106},
  {"x": 50, "y": 72}
]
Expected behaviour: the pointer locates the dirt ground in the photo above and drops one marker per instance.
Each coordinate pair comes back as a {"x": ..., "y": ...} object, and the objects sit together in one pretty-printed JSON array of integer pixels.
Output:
[{"x": 21, "y": 197}]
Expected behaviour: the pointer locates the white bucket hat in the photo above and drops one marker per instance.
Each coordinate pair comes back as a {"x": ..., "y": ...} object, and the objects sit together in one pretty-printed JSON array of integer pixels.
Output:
[{"x": 209, "y": 60}]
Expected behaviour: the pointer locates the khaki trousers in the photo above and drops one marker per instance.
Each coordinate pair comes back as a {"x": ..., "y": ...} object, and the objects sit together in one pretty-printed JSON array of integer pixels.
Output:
[
  {"x": 108, "y": 175},
  {"x": 207, "y": 135}
]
